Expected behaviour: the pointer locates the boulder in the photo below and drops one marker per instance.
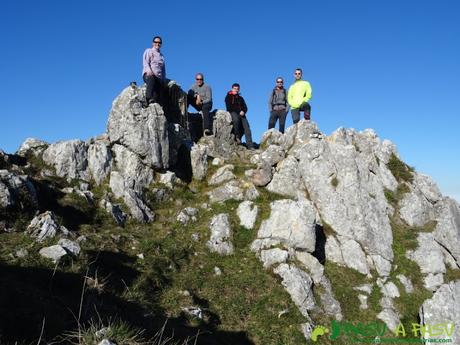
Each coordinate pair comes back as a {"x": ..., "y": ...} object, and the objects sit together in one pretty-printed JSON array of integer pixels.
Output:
[
  {"x": 55, "y": 253},
  {"x": 143, "y": 131},
  {"x": 99, "y": 159},
  {"x": 221, "y": 233},
  {"x": 33, "y": 146},
  {"x": 199, "y": 160},
  {"x": 45, "y": 226},
  {"x": 223, "y": 174},
  {"x": 447, "y": 231},
  {"x": 247, "y": 213}
]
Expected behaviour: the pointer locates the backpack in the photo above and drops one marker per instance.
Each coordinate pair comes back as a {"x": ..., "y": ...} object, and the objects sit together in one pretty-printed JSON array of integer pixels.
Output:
[{"x": 285, "y": 97}]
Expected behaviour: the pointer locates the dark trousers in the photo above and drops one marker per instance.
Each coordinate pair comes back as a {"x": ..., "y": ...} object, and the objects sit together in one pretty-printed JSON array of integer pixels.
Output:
[
  {"x": 154, "y": 90},
  {"x": 305, "y": 107},
  {"x": 274, "y": 116},
  {"x": 206, "y": 109},
  {"x": 240, "y": 127}
]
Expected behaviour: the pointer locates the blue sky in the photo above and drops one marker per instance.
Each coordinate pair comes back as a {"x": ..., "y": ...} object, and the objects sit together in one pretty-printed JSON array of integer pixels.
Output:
[{"x": 393, "y": 66}]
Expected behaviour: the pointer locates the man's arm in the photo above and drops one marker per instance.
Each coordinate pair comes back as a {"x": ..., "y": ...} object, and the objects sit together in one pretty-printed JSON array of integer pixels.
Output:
[
  {"x": 146, "y": 63},
  {"x": 207, "y": 94},
  {"x": 270, "y": 101},
  {"x": 307, "y": 92}
]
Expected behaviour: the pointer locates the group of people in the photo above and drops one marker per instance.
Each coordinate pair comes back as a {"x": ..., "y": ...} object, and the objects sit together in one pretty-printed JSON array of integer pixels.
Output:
[{"x": 280, "y": 101}]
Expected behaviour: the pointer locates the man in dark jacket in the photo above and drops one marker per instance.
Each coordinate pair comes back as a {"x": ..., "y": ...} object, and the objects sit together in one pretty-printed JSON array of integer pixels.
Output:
[
  {"x": 236, "y": 106},
  {"x": 278, "y": 105}
]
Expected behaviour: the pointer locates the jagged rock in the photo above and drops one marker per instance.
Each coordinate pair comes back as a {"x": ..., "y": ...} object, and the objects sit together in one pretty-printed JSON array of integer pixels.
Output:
[
  {"x": 186, "y": 215},
  {"x": 223, "y": 142},
  {"x": 217, "y": 271},
  {"x": 250, "y": 191},
  {"x": 330, "y": 304},
  {"x": 196, "y": 312},
  {"x": 354, "y": 257},
  {"x": 136, "y": 174},
  {"x": 355, "y": 205},
  {"x": 382, "y": 265},
  {"x": 408, "y": 287},
  {"x": 367, "y": 288},
  {"x": 169, "y": 179},
  {"x": 363, "y": 302},
  {"x": 428, "y": 255},
  {"x": 433, "y": 281},
  {"x": 230, "y": 190},
  {"x": 32, "y": 145},
  {"x": 69, "y": 159},
  {"x": 272, "y": 155},
  {"x": 447, "y": 231},
  {"x": 333, "y": 251},
  {"x": 390, "y": 317},
  {"x": 17, "y": 191},
  {"x": 291, "y": 223},
  {"x": 272, "y": 137},
  {"x": 222, "y": 175},
  {"x": 99, "y": 159},
  {"x": 221, "y": 233},
  {"x": 389, "y": 290},
  {"x": 299, "y": 286},
  {"x": 106, "y": 342},
  {"x": 199, "y": 160},
  {"x": 114, "y": 209},
  {"x": 71, "y": 247},
  {"x": 261, "y": 176},
  {"x": 273, "y": 256},
  {"x": 315, "y": 269},
  {"x": 143, "y": 131},
  {"x": 286, "y": 179},
  {"x": 124, "y": 189},
  {"x": 54, "y": 253},
  {"x": 443, "y": 307},
  {"x": 217, "y": 161},
  {"x": 247, "y": 213},
  {"x": 44, "y": 226}
]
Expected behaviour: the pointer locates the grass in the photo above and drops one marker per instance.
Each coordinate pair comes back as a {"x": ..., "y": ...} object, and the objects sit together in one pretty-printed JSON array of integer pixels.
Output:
[{"x": 400, "y": 170}]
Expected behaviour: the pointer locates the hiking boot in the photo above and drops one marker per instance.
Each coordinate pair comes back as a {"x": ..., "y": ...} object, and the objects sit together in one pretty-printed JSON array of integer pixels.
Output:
[
  {"x": 238, "y": 141},
  {"x": 207, "y": 132}
]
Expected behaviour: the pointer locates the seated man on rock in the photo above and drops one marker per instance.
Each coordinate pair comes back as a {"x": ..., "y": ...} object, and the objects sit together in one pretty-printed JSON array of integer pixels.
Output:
[{"x": 200, "y": 97}]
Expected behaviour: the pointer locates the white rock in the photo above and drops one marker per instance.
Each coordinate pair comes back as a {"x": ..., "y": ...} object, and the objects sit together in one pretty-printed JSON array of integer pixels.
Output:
[
  {"x": 54, "y": 253},
  {"x": 273, "y": 256},
  {"x": 199, "y": 161},
  {"x": 408, "y": 287},
  {"x": 222, "y": 175},
  {"x": 221, "y": 232},
  {"x": 70, "y": 246},
  {"x": 247, "y": 213},
  {"x": 44, "y": 226}
]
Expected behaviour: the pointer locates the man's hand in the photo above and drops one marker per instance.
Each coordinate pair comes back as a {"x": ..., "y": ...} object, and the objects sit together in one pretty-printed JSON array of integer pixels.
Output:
[
  {"x": 241, "y": 113},
  {"x": 198, "y": 100}
]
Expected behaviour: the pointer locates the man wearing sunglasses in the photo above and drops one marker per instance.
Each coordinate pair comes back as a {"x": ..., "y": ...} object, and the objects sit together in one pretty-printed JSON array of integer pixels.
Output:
[
  {"x": 200, "y": 97},
  {"x": 278, "y": 105},
  {"x": 298, "y": 96},
  {"x": 154, "y": 72}
]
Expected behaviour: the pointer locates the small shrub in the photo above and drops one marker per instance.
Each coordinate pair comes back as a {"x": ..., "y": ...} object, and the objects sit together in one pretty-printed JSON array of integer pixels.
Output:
[
  {"x": 334, "y": 182},
  {"x": 400, "y": 170}
]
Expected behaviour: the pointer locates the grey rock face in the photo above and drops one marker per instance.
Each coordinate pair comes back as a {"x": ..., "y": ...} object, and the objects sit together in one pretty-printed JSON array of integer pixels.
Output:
[
  {"x": 273, "y": 256},
  {"x": 114, "y": 209},
  {"x": 99, "y": 160},
  {"x": 143, "y": 131},
  {"x": 71, "y": 247},
  {"x": 299, "y": 286},
  {"x": 199, "y": 159},
  {"x": 223, "y": 143},
  {"x": 408, "y": 287},
  {"x": 272, "y": 155},
  {"x": 390, "y": 317},
  {"x": 286, "y": 180},
  {"x": 54, "y": 253},
  {"x": 45, "y": 226},
  {"x": 315, "y": 269},
  {"x": 272, "y": 137},
  {"x": 221, "y": 232},
  {"x": 354, "y": 257},
  {"x": 231, "y": 190},
  {"x": 355, "y": 207},
  {"x": 32, "y": 145},
  {"x": 443, "y": 307},
  {"x": 260, "y": 176},
  {"x": 428, "y": 254},
  {"x": 447, "y": 231},
  {"x": 69, "y": 158},
  {"x": 5, "y": 196},
  {"x": 247, "y": 213},
  {"x": 187, "y": 215},
  {"x": 169, "y": 179},
  {"x": 222, "y": 175},
  {"x": 291, "y": 223}
]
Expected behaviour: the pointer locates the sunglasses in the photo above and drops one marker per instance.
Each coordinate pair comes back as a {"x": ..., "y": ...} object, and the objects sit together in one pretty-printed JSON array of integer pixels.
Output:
[
  {"x": 279, "y": 81},
  {"x": 297, "y": 73},
  {"x": 198, "y": 78},
  {"x": 159, "y": 42}
]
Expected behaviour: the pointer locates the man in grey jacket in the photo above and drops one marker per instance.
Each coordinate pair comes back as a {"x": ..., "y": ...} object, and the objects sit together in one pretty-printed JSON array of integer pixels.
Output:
[
  {"x": 278, "y": 105},
  {"x": 200, "y": 97}
]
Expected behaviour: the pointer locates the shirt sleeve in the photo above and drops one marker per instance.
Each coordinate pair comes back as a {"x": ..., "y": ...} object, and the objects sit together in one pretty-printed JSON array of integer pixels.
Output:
[
  {"x": 307, "y": 92},
  {"x": 270, "y": 102}
]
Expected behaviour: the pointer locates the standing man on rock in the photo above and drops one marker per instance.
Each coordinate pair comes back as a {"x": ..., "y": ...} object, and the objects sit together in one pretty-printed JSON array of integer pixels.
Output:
[
  {"x": 200, "y": 97},
  {"x": 236, "y": 106},
  {"x": 154, "y": 72},
  {"x": 278, "y": 105},
  {"x": 298, "y": 96}
]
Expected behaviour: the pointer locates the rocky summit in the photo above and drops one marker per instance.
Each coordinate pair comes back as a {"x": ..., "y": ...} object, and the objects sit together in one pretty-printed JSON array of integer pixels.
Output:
[{"x": 143, "y": 235}]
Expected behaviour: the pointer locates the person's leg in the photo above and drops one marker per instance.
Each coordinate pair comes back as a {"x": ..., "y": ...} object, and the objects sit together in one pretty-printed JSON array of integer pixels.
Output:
[
  {"x": 236, "y": 125},
  {"x": 306, "y": 111},
  {"x": 282, "y": 116},
  {"x": 247, "y": 132},
  {"x": 149, "y": 80},
  {"x": 295, "y": 115},
  {"x": 207, "y": 125},
  {"x": 272, "y": 119}
]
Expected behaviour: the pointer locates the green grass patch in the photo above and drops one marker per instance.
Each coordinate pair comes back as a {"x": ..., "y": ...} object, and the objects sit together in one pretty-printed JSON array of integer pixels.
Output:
[{"x": 400, "y": 170}]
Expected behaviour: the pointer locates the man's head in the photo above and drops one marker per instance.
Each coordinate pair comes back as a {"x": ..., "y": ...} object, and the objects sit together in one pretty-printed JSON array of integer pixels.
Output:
[
  {"x": 279, "y": 82},
  {"x": 298, "y": 74},
  {"x": 236, "y": 88},
  {"x": 199, "y": 79},
  {"x": 157, "y": 42}
]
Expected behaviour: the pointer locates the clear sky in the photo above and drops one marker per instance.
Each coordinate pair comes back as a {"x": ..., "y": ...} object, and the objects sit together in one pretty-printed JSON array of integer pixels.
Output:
[{"x": 393, "y": 66}]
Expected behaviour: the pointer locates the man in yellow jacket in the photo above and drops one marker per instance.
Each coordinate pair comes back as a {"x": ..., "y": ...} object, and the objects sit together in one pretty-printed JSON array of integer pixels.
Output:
[{"x": 299, "y": 94}]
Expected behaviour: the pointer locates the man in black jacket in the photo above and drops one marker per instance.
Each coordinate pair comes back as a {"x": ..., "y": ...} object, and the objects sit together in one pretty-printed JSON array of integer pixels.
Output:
[{"x": 236, "y": 106}]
